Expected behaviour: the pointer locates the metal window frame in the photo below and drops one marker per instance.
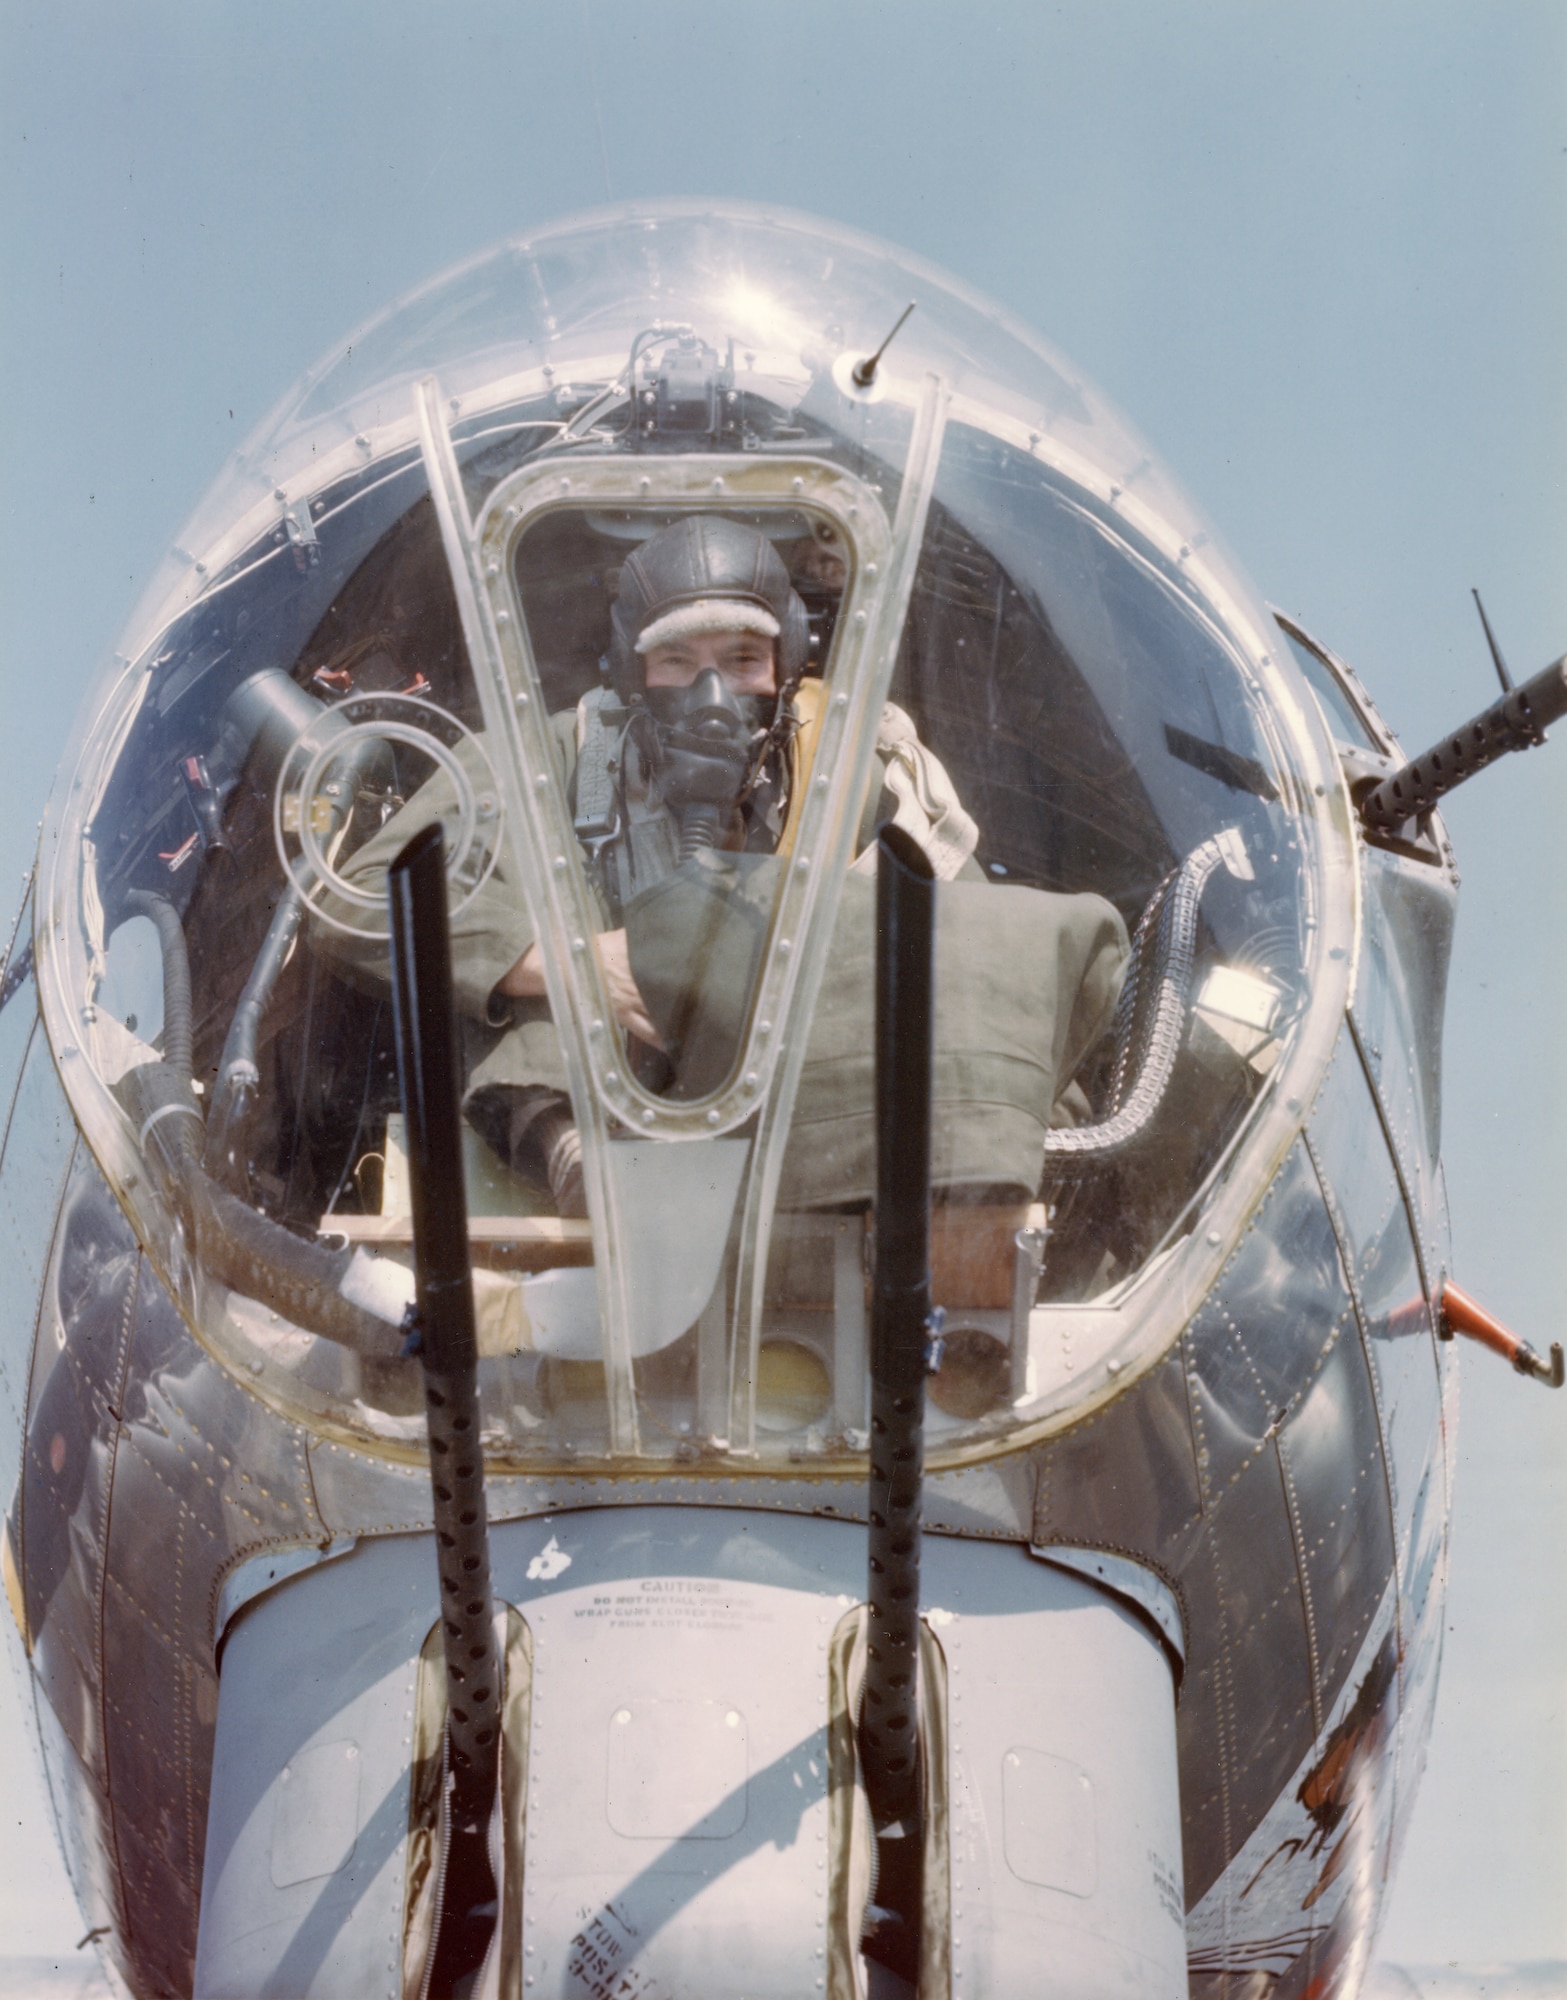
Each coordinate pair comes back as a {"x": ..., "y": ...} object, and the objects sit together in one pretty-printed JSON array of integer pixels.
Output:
[{"x": 610, "y": 1105}]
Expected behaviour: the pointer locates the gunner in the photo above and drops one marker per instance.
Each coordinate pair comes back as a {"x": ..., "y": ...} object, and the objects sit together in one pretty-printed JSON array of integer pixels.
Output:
[{"x": 681, "y": 774}]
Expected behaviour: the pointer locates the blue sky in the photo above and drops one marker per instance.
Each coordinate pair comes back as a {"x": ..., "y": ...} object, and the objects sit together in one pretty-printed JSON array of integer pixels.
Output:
[{"x": 1319, "y": 254}]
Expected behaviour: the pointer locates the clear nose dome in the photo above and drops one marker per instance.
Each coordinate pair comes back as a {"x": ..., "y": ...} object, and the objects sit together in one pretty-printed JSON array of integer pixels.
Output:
[{"x": 609, "y": 553}]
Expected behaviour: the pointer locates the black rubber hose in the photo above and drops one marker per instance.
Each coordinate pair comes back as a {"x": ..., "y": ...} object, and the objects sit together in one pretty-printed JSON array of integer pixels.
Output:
[
  {"x": 238, "y": 1073},
  {"x": 700, "y": 825},
  {"x": 235, "y": 1243},
  {"x": 178, "y": 1014},
  {"x": 253, "y": 1255},
  {"x": 241, "y": 1248}
]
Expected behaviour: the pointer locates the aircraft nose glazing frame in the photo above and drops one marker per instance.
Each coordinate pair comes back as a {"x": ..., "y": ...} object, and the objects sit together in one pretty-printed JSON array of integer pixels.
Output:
[{"x": 882, "y": 559}]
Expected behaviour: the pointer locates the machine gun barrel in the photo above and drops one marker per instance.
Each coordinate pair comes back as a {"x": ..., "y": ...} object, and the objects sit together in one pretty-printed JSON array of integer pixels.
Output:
[
  {"x": 444, "y": 1323},
  {"x": 1517, "y": 721},
  {"x": 900, "y": 1345}
]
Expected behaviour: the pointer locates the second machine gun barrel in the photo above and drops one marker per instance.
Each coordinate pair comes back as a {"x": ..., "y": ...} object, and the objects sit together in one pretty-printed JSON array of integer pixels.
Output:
[{"x": 1517, "y": 721}]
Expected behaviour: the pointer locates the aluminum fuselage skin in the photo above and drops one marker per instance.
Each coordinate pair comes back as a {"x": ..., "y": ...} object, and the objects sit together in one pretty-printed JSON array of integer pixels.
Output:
[{"x": 1284, "y": 1469}]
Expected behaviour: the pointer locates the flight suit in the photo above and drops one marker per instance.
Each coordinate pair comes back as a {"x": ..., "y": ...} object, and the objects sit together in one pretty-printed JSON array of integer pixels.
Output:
[{"x": 1026, "y": 984}]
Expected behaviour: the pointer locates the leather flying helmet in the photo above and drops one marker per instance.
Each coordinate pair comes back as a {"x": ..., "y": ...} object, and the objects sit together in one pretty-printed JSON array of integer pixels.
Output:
[{"x": 704, "y": 574}]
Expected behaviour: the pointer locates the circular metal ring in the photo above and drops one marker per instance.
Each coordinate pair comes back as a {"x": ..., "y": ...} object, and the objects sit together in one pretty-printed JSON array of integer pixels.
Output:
[{"x": 473, "y": 833}]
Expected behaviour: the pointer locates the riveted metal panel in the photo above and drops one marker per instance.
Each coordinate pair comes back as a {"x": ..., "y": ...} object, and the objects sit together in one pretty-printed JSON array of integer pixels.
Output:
[
  {"x": 38, "y": 1140},
  {"x": 1296, "y": 1911},
  {"x": 1414, "y": 906},
  {"x": 1331, "y": 1454},
  {"x": 1278, "y": 1306},
  {"x": 1253, "y": 1353},
  {"x": 1127, "y": 1479},
  {"x": 1185, "y": 1472},
  {"x": 1367, "y": 1201},
  {"x": 1397, "y": 1013},
  {"x": 304, "y": 1874},
  {"x": 79, "y": 1360},
  {"x": 1246, "y": 1714},
  {"x": 731, "y": 1895},
  {"x": 161, "y": 1908},
  {"x": 1064, "y": 1794},
  {"x": 81, "y": 1810},
  {"x": 1422, "y": 1603},
  {"x": 360, "y": 1495},
  {"x": 203, "y": 1475},
  {"x": 679, "y": 1619},
  {"x": 1369, "y": 1214}
]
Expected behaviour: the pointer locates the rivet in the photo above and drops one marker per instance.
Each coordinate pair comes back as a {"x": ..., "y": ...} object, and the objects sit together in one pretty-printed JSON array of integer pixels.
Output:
[
  {"x": 712, "y": 1117},
  {"x": 647, "y": 1118},
  {"x": 560, "y": 864},
  {"x": 503, "y": 617},
  {"x": 797, "y": 485}
]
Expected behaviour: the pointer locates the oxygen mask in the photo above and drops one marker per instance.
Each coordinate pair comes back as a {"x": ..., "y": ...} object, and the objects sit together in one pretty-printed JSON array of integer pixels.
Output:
[{"x": 705, "y": 744}]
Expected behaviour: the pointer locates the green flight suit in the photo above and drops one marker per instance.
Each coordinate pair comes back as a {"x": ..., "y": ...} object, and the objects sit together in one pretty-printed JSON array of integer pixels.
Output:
[{"x": 1026, "y": 983}]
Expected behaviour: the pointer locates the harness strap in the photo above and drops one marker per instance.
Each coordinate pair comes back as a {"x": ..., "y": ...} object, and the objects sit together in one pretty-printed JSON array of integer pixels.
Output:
[{"x": 597, "y": 738}]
